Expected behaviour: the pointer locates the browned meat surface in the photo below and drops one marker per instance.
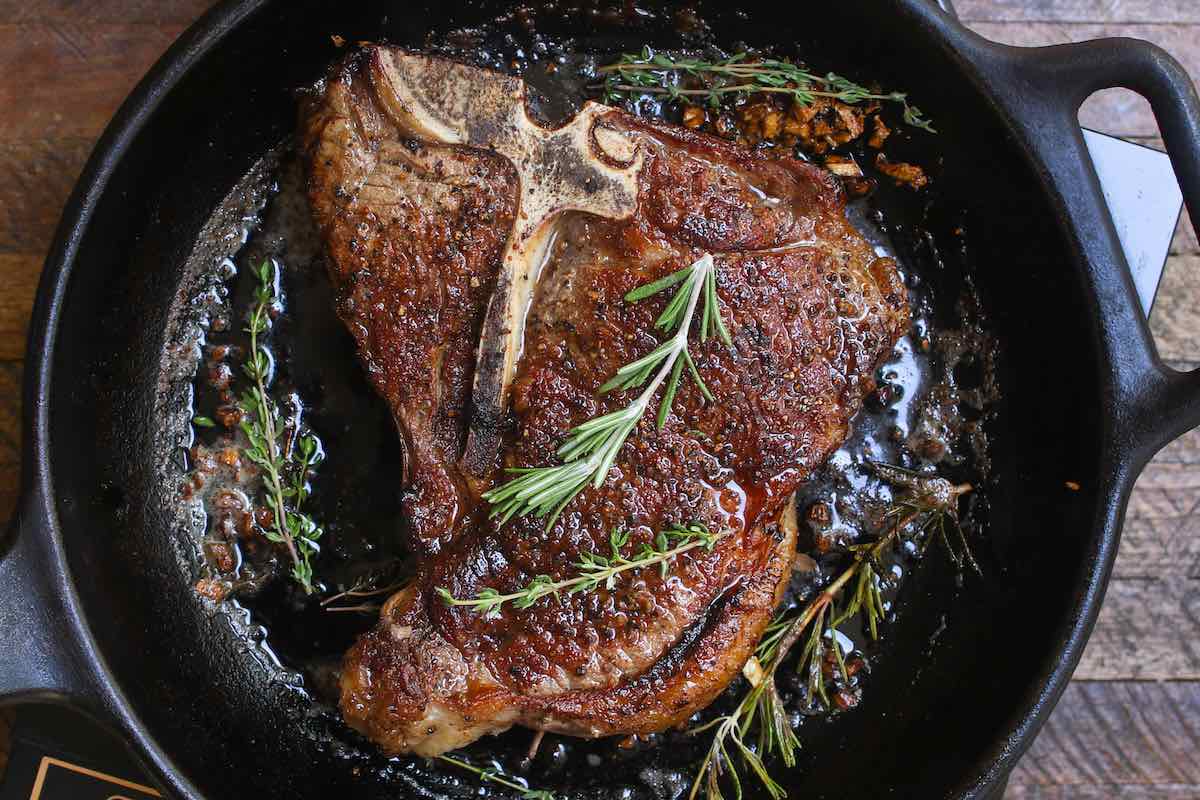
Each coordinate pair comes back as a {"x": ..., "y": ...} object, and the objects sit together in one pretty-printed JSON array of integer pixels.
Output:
[{"x": 414, "y": 228}]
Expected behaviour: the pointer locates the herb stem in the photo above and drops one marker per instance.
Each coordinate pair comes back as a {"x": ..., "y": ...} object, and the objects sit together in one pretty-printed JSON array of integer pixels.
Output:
[
  {"x": 594, "y": 570},
  {"x": 285, "y": 465},
  {"x": 762, "y": 703},
  {"x": 678, "y": 345},
  {"x": 591, "y": 448},
  {"x": 827, "y": 596},
  {"x": 658, "y": 73},
  {"x": 494, "y": 776},
  {"x": 360, "y": 593},
  {"x": 274, "y": 485},
  {"x": 741, "y": 87}
]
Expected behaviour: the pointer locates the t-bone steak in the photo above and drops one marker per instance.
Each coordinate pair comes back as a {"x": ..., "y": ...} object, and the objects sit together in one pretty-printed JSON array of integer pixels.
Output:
[{"x": 481, "y": 263}]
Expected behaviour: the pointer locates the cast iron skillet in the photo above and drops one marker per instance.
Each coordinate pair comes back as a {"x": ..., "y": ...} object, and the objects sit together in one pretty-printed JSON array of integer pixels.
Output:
[{"x": 96, "y": 607}]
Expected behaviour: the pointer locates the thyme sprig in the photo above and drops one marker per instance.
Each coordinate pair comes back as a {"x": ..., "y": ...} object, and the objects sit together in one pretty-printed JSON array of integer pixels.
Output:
[
  {"x": 930, "y": 504},
  {"x": 596, "y": 570},
  {"x": 284, "y": 454},
  {"x": 492, "y": 775},
  {"x": 658, "y": 73},
  {"x": 359, "y": 596},
  {"x": 591, "y": 448}
]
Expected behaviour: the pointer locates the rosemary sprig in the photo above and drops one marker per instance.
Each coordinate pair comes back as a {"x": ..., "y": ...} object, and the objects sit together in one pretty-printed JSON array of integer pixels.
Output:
[
  {"x": 595, "y": 570},
  {"x": 285, "y": 456},
  {"x": 495, "y": 776},
  {"x": 924, "y": 491},
  {"x": 590, "y": 449},
  {"x": 657, "y": 73},
  {"x": 929, "y": 499},
  {"x": 730, "y": 734}
]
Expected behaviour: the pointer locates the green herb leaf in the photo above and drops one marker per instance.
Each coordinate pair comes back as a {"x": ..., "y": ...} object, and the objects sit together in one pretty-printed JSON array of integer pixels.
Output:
[
  {"x": 737, "y": 76},
  {"x": 653, "y": 288},
  {"x": 490, "y": 775},
  {"x": 594, "y": 569},
  {"x": 285, "y": 474},
  {"x": 928, "y": 504},
  {"x": 591, "y": 448}
]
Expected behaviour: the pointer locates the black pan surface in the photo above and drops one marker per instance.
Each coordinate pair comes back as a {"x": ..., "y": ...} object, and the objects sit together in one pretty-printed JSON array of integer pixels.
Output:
[{"x": 96, "y": 600}]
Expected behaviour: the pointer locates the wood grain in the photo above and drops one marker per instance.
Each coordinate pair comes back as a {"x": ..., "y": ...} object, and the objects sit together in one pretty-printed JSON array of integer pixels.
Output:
[
  {"x": 21, "y": 273},
  {"x": 65, "y": 79},
  {"x": 1149, "y": 625},
  {"x": 36, "y": 176},
  {"x": 1106, "y": 738},
  {"x": 1175, "y": 317},
  {"x": 1185, "y": 242},
  {"x": 175, "y": 12},
  {"x": 1060, "y": 11},
  {"x": 1124, "y": 791}
]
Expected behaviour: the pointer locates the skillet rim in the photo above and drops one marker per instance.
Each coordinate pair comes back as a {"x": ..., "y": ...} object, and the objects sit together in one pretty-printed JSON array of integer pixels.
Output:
[
  {"x": 37, "y": 496},
  {"x": 969, "y": 50}
]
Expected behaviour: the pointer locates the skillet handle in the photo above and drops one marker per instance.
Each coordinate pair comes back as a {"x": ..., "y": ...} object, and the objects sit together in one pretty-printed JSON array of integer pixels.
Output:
[
  {"x": 39, "y": 659},
  {"x": 1160, "y": 403}
]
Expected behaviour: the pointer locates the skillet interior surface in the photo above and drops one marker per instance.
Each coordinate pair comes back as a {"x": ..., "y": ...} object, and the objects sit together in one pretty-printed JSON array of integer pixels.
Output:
[{"x": 234, "y": 726}]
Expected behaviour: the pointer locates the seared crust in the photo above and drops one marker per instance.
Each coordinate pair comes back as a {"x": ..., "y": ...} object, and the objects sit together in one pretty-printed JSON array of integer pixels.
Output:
[
  {"x": 414, "y": 230},
  {"x": 409, "y": 689},
  {"x": 812, "y": 311}
]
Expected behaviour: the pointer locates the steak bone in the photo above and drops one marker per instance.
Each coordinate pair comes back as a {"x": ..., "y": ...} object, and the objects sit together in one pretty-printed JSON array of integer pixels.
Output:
[{"x": 582, "y": 166}]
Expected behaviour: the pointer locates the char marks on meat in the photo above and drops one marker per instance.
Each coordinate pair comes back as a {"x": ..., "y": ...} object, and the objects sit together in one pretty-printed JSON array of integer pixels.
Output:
[{"x": 416, "y": 228}]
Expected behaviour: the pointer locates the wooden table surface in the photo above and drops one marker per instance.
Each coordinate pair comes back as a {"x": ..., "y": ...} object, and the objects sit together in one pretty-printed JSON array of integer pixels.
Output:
[{"x": 1128, "y": 726}]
